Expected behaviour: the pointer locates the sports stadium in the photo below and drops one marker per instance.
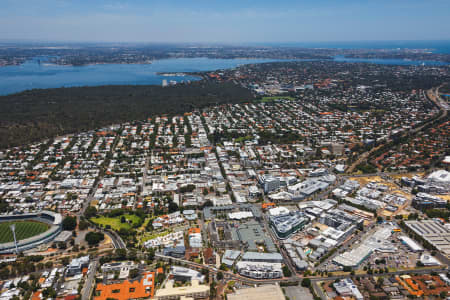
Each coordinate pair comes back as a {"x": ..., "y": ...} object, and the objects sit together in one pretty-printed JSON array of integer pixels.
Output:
[{"x": 32, "y": 230}]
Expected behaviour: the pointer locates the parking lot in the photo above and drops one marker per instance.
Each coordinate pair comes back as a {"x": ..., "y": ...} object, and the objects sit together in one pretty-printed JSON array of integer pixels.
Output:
[
  {"x": 403, "y": 258},
  {"x": 298, "y": 293}
]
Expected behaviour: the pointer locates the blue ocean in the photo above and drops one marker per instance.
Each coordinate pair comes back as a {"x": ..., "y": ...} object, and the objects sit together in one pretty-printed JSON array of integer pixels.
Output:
[{"x": 442, "y": 46}]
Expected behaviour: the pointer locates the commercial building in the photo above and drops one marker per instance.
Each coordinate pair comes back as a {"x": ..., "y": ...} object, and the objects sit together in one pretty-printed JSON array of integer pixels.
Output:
[
  {"x": 318, "y": 253},
  {"x": 440, "y": 178},
  {"x": 259, "y": 270},
  {"x": 366, "y": 202},
  {"x": 339, "y": 235},
  {"x": 77, "y": 265},
  {"x": 262, "y": 257},
  {"x": 433, "y": 232},
  {"x": 137, "y": 289},
  {"x": 185, "y": 274},
  {"x": 280, "y": 210},
  {"x": 322, "y": 242},
  {"x": 63, "y": 237},
  {"x": 428, "y": 260},
  {"x": 296, "y": 254},
  {"x": 229, "y": 257},
  {"x": 307, "y": 188},
  {"x": 195, "y": 238},
  {"x": 177, "y": 251},
  {"x": 347, "y": 288},
  {"x": 241, "y": 215},
  {"x": 269, "y": 183},
  {"x": 286, "y": 224},
  {"x": 211, "y": 212},
  {"x": 412, "y": 245},
  {"x": 425, "y": 201},
  {"x": 190, "y": 214},
  {"x": 339, "y": 168},
  {"x": 122, "y": 267},
  {"x": 340, "y": 219},
  {"x": 318, "y": 172},
  {"x": 253, "y": 191},
  {"x": 375, "y": 242},
  {"x": 226, "y": 240},
  {"x": 251, "y": 234},
  {"x": 350, "y": 185},
  {"x": 323, "y": 205},
  {"x": 355, "y": 212}
]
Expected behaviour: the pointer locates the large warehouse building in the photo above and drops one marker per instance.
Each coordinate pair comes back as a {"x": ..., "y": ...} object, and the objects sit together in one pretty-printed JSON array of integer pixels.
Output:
[{"x": 433, "y": 232}]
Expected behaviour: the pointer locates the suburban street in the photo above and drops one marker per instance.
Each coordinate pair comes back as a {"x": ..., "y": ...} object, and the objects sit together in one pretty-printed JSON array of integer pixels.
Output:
[{"x": 90, "y": 281}]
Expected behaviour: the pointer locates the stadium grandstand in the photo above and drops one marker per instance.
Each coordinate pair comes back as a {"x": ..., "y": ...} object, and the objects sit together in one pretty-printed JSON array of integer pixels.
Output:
[{"x": 53, "y": 220}]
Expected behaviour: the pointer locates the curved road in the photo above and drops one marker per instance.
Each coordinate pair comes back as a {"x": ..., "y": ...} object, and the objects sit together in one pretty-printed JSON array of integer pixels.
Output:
[{"x": 117, "y": 241}]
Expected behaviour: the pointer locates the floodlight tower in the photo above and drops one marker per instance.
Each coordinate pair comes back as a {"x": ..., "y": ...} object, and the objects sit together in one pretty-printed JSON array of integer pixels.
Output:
[{"x": 13, "y": 229}]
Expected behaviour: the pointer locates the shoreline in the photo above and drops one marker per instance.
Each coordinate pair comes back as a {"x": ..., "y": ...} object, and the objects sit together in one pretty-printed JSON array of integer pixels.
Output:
[
  {"x": 336, "y": 58},
  {"x": 133, "y": 77}
]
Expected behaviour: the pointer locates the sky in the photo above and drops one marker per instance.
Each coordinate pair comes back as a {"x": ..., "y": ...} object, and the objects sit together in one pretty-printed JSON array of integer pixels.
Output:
[{"x": 224, "y": 21}]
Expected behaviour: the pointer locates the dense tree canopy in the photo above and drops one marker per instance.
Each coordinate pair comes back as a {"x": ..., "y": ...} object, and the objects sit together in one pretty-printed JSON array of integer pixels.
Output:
[
  {"x": 69, "y": 223},
  {"x": 90, "y": 212},
  {"x": 37, "y": 114},
  {"x": 93, "y": 238}
]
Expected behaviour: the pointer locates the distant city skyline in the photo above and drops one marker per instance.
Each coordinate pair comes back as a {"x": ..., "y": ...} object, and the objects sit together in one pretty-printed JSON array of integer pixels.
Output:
[{"x": 233, "y": 21}]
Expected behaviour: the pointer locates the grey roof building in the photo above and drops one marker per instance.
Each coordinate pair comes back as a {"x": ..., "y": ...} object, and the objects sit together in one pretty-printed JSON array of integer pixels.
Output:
[
  {"x": 251, "y": 234},
  {"x": 229, "y": 257},
  {"x": 287, "y": 224},
  {"x": 228, "y": 241},
  {"x": 262, "y": 257}
]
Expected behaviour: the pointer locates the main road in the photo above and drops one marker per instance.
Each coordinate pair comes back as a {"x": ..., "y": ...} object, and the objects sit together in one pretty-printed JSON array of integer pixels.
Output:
[
  {"x": 433, "y": 96},
  {"x": 117, "y": 241},
  {"x": 89, "y": 284},
  {"x": 247, "y": 280}
]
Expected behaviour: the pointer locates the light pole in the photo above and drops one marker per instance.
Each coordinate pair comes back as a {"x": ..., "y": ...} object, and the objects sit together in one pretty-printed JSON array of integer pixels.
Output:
[{"x": 13, "y": 229}]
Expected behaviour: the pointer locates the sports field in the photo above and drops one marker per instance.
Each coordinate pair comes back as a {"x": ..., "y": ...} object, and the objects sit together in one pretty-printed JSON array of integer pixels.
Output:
[
  {"x": 272, "y": 98},
  {"x": 115, "y": 222},
  {"x": 24, "y": 230}
]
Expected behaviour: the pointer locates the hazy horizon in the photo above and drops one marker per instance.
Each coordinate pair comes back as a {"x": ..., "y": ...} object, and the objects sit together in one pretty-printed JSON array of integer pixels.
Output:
[
  {"x": 199, "y": 44},
  {"x": 236, "y": 22}
]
